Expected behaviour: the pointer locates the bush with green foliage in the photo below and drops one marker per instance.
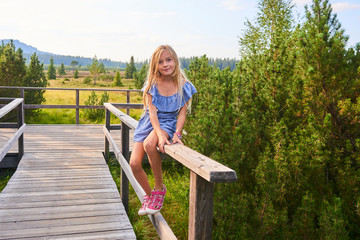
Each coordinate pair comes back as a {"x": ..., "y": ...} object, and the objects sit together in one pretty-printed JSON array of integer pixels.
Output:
[{"x": 96, "y": 114}]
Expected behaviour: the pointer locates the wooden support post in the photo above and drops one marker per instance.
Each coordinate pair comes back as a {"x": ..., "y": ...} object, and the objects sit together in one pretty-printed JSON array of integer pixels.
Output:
[
  {"x": 107, "y": 146},
  {"x": 125, "y": 152},
  {"x": 128, "y": 101},
  {"x": 200, "y": 207},
  {"x": 20, "y": 118},
  {"x": 77, "y": 107}
]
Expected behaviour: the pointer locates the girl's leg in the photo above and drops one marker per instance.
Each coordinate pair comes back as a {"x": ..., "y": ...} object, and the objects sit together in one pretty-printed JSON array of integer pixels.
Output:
[
  {"x": 150, "y": 147},
  {"x": 137, "y": 156}
]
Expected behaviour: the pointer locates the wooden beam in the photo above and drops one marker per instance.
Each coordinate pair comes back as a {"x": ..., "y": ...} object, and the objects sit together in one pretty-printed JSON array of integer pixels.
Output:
[
  {"x": 5, "y": 149},
  {"x": 205, "y": 167},
  {"x": 200, "y": 207},
  {"x": 129, "y": 121},
  {"x": 10, "y": 106}
]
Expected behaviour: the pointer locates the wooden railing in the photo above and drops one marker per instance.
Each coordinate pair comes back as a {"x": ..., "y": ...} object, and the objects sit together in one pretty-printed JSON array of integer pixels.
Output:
[
  {"x": 77, "y": 105},
  {"x": 204, "y": 172},
  {"x": 10, "y": 160}
]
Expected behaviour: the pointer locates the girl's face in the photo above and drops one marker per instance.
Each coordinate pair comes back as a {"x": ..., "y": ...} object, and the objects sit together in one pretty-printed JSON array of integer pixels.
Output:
[{"x": 166, "y": 64}]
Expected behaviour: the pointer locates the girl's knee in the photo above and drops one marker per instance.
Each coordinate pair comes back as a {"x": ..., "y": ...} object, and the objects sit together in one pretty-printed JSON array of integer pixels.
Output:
[
  {"x": 150, "y": 146},
  {"x": 135, "y": 165}
]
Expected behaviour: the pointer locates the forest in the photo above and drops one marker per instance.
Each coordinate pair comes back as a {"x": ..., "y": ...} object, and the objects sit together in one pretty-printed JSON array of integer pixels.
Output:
[{"x": 286, "y": 118}]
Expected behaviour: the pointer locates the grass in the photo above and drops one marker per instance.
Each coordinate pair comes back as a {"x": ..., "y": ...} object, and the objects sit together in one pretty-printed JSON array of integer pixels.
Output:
[
  {"x": 176, "y": 204},
  {"x": 68, "y": 97}
]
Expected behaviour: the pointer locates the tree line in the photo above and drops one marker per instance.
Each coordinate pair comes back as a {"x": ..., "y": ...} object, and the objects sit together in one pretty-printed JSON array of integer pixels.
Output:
[{"x": 287, "y": 120}]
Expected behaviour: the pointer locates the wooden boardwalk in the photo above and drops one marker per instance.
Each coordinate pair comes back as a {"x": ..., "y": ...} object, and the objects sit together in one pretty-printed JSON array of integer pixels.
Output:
[{"x": 62, "y": 188}]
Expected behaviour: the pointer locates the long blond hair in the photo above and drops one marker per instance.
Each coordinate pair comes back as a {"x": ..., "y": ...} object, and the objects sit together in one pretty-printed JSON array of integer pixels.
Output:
[{"x": 154, "y": 73}]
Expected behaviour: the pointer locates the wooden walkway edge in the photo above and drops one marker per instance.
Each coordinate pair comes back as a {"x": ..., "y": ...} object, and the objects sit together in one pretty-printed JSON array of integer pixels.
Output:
[{"x": 62, "y": 188}]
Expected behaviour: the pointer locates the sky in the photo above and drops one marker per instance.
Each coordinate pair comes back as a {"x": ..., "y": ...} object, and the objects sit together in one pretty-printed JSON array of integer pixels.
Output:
[{"x": 119, "y": 29}]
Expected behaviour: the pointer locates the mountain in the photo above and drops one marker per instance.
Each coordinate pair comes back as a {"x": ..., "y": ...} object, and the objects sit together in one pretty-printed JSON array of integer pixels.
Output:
[
  {"x": 24, "y": 47},
  {"x": 45, "y": 57}
]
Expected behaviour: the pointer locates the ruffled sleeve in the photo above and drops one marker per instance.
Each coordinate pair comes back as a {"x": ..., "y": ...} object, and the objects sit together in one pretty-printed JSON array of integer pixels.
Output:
[
  {"x": 171, "y": 103},
  {"x": 188, "y": 91}
]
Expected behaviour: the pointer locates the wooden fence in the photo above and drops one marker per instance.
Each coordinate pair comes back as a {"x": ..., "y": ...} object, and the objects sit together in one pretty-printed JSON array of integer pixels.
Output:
[
  {"x": 204, "y": 172},
  {"x": 11, "y": 160},
  {"x": 77, "y": 105}
]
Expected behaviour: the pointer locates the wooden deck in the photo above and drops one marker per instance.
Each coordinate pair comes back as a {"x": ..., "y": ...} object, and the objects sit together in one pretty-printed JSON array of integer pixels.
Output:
[{"x": 62, "y": 188}]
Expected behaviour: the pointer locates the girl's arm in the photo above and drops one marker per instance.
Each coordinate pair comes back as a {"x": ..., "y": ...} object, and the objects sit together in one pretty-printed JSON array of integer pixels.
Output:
[
  {"x": 156, "y": 125},
  {"x": 180, "y": 124}
]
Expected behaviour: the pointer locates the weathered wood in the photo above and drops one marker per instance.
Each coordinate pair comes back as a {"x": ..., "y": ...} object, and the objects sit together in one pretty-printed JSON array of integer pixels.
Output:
[
  {"x": 129, "y": 121},
  {"x": 10, "y": 106},
  {"x": 63, "y": 193},
  {"x": 125, "y": 150},
  {"x": 5, "y": 149},
  {"x": 200, "y": 207},
  {"x": 205, "y": 167}
]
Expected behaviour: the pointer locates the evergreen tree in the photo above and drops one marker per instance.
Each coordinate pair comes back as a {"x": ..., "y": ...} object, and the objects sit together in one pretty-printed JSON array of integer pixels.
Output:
[
  {"x": 130, "y": 69},
  {"x": 12, "y": 69},
  {"x": 51, "y": 74},
  {"x": 118, "y": 79},
  {"x": 331, "y": 95},
  {"x": 76, "y": 73},
  {"x": 61, "y": 70},
  {"x": 140, "y": 76},
  {"x": 35, "y": 77}
]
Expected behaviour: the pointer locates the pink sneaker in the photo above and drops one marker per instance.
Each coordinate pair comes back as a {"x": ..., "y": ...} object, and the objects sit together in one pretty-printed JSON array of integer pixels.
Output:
[
  {"x": 145, "y": 202},
  {"x": 156, "y": 201}
]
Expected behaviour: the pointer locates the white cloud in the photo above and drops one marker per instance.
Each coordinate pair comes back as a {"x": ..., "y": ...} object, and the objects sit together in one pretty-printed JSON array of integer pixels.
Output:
[{"x": 344, "y": 6}]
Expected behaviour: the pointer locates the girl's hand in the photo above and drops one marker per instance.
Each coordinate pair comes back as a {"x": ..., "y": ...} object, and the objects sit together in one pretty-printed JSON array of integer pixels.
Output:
[
  {"x": 162, "y": 141},
  {"x": 176, "y": 139}
]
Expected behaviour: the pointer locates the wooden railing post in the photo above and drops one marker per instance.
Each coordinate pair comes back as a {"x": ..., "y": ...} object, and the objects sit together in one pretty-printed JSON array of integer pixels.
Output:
[
  {"x": 20, "y": 119},
  {"x": 77, "y": 106},
  {"x": 126, "y": 154},
  {"x": 107, "y": 125},
  {"x": 128, "y": 101},
  {"x": 200, "y": 207}
]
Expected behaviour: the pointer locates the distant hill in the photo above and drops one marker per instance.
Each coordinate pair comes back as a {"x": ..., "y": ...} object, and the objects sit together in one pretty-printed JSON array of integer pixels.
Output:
[{"x": 44, "y": 57}]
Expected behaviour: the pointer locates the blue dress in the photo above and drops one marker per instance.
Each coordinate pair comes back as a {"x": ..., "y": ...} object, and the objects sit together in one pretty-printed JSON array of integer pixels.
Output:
[{"x": 168, "y": 108}]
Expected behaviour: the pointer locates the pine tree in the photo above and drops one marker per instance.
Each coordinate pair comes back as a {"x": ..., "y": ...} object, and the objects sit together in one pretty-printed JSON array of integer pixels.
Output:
[
  {"x": 12, "y": 69},
  {"x": 130, "y": 69},
  {"x": 76, "y": 73},
  {"x": 35, "y": 77},
  {"x": 140, "y": 76},
  {"x": 51, "y": 74},
  {"x": 61, "y": 70},
  {"x": 331, "y": 95},
  {"x": 118, "y": 79}
]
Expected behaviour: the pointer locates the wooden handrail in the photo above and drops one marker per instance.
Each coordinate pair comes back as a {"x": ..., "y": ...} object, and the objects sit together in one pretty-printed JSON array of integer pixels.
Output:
[
  {"x": 77, "y": 105},
  {"x": 204, "y": 172},
  {"x": 18, "y": 135}
]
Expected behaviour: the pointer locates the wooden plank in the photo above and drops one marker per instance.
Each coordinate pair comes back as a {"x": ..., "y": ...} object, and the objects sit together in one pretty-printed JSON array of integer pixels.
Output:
[
  {"x": 205, "y": 167},
  {"x": 5, "y": 149},
  {"x": 10, "y": 106},
  {"x": 129, "y": 121},
  {"x": 64, "y": 193}
]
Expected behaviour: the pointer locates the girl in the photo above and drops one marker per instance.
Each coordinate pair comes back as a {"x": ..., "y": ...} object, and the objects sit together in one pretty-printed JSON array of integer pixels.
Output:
[{"x": 167, "y": 95}]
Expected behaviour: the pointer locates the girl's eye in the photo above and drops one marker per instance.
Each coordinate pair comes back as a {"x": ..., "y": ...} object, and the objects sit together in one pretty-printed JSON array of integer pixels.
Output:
[{"x": 160, "y": 62}]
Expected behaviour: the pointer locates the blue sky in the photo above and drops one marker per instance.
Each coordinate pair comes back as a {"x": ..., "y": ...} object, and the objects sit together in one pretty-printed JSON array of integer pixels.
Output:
[{"x": 119, "y": 29}]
